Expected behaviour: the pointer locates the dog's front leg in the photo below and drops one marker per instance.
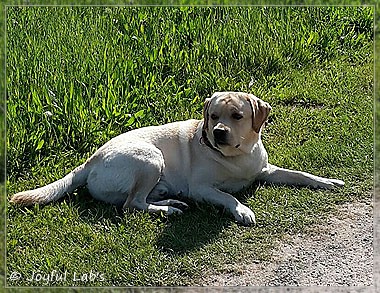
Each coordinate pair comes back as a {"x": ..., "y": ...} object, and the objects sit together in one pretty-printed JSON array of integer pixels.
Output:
[
  {"x": 276, "y": 175},
  {"x": 242, "y": 213}
]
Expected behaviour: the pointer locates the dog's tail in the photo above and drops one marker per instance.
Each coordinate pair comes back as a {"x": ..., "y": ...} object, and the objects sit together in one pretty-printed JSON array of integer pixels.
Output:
[{"x": 55, "y": 190}]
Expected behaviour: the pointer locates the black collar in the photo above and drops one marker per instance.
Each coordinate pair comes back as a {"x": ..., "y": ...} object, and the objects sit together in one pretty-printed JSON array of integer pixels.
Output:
[{"x": 208, "y": 143}]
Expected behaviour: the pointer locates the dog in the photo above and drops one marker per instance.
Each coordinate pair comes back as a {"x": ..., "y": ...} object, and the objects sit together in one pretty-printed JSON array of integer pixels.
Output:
[{"x": 155, "y": 168}]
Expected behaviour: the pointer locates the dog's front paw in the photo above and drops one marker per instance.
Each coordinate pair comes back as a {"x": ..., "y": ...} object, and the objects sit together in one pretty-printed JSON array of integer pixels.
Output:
[
  {"x": 337, "y": 182},
  {"x": 329, "y": 183},
  {"x": 244, "y": 215}
]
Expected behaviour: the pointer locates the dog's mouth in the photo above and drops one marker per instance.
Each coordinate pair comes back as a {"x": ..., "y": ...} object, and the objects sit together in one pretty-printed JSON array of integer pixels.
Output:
[
  {"x": 223, "y": 140},
  {"x": 217, "y": 143},
  {"x": 220, "y": 143}
]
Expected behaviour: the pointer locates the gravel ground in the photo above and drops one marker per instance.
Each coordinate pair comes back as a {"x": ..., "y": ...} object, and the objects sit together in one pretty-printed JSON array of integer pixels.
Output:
[{"x": 338, "y": 253}]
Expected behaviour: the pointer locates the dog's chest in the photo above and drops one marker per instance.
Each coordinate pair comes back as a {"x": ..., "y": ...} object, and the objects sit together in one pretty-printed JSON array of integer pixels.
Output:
[
  {"x": 233, "y": 174},
  {"x": 236, "y": 170}
]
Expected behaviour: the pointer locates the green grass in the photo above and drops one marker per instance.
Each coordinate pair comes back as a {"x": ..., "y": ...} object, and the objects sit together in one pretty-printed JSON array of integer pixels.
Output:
[{"x": 78, "y": 76}]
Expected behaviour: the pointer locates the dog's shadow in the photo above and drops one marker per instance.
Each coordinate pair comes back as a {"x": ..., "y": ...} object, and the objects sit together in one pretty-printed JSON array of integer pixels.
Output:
[{"x": 198, "y": 226}]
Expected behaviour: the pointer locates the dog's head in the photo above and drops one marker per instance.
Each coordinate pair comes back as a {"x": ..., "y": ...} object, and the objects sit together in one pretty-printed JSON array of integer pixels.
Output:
[{"x": 233, "y": 121}]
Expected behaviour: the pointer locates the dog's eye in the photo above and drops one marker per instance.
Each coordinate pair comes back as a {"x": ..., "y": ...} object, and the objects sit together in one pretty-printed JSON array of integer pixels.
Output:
[
  {"x": 214, "y": 117},
  {"x": 237, "y": 116}
]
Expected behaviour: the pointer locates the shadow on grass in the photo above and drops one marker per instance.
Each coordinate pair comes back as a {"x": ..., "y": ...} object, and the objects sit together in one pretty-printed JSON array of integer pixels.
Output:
[
  {"x": 196, "y": 227},
  {"x": 91, "y": 210}
]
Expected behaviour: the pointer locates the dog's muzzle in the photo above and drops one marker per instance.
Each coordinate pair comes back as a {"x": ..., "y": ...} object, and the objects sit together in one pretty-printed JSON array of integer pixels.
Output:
[{"x": 220, "y": 136}]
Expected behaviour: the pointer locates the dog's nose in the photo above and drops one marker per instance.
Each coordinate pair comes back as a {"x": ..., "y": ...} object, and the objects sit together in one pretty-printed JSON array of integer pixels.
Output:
[{"x": 220, "y": 135}]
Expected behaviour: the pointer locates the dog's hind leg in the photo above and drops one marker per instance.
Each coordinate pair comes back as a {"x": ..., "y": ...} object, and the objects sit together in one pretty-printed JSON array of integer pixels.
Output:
[
  {"x": 163, "y": 206},
  {"x": 146, "y": 175},
  {"x": 171, "y": 202},
  {"x": 161, "y": 196},
  {"x": 126, "y": 174},
  {"x": 138, "y": 198}
]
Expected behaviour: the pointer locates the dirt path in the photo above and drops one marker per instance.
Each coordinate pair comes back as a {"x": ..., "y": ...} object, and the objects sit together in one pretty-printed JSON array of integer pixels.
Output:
[{"x": 338, "y": 253}]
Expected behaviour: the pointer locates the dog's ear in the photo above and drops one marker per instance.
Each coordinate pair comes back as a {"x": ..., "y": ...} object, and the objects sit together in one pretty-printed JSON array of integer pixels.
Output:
[
  {"x": 205, "y": 113},
  {"x": 260, "y": 112}
]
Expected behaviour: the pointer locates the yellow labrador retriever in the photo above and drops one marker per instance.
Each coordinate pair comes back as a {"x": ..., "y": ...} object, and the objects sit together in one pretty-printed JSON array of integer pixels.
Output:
[{"x": 205, "y": 160}]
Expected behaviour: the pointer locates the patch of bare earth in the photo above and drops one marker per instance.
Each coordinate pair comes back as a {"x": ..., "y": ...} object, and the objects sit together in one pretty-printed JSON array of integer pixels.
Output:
[{"x": 337, "y": 253}]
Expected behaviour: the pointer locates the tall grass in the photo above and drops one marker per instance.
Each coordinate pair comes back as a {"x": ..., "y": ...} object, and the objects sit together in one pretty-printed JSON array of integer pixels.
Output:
[{"x": 77, "y": 76}]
